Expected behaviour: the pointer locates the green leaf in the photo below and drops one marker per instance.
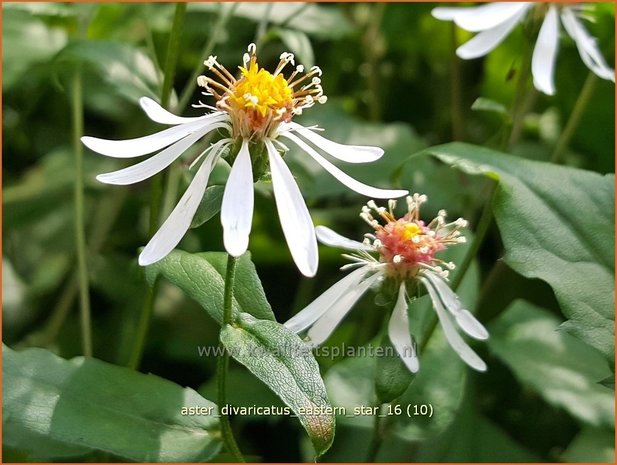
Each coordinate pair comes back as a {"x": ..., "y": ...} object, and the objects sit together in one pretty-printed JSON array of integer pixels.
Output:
[
  {"x": 201, "y": 277},
  {"x": 27, "y": 40},
  {"x": 209, "y": 206},
  {"x": 285, "y": 363},
  {"x": 393, "y": 376},
  {"x": 473, "y": 438},
  {"x": 129, "y": 71},
  {"x": 562, "y": 369},
  {"x": 298, "y": 43},
  {"x": 557, "y": 225},
  {"x": 592, "y": 445},
  {"x": 485, "y": 104},
  {"x": 55, "y": 408},
  {"x": 314, "y": 19}
]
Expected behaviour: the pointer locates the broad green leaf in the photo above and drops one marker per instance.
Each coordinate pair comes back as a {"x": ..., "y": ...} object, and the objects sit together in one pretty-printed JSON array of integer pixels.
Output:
[
  {"x": 285, "y": 363},
  {"x": 592, "y": 445},
  {"x": 55, "y": 408},
  {"x": 561, "y": 368},
  {"x": 209, "y": 206},
  {"x": 128, "y": 70},
  {"x": 557, "y": 225},
  {"x": 201, "y": 277}
]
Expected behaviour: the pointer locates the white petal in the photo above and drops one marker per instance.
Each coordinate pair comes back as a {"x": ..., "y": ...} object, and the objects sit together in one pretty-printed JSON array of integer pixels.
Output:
[
  {"x": 587, "y": 46},
  {"x": 328, "y": 237},
  {"x": 487, "y": 40},
  {"x": 454, "y": 339},
  {"x": 348, "y": 153},
  {"x": 322, "y": 329},
  {"x": 398, "y": 331},
  {"x": 157, "y": 113},
  {"x": 237, "y": 205},
  {"x": 143, "y": 145},
  {"x": 464, "y": 318},
  {"x": 312, "y": 312},
  {"x": 155, "y": 164},
  {"x": 545, "y": 53},
  {"x": 483, "y": 17},
  {"x": 345, "y": 179},
  {"x": 178, "y": 222},
  {"x": 295, "y": 218}
]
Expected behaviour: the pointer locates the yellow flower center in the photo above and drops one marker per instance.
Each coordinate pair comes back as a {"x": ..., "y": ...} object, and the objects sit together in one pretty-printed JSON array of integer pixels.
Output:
[
  {"x": 259, "y": 101},
  {"x": 410, "y": 230},
  {"x": 259, "y": 90}
]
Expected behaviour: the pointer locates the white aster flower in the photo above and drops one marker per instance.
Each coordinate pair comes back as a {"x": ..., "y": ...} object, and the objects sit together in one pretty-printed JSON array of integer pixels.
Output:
[
  {"x": 253, "y": 112},
  {"x": 405, "y": 249},
  {"x": 494, "y": 21}
]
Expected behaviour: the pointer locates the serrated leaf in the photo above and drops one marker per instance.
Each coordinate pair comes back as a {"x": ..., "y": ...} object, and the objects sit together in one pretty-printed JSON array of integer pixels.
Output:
[
  {"x": 201, "y": 277},
  {"x": 55, "y": 408},
  {"x": 285, "y": 363},
  {"x": 209, "y": 206},
  {"x": 557, "y": 225},
  {"x": 562, "y": 369}
]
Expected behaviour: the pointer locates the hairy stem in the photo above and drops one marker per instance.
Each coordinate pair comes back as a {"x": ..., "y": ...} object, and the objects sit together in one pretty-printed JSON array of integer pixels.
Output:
[{"x": 223, "y": 363}]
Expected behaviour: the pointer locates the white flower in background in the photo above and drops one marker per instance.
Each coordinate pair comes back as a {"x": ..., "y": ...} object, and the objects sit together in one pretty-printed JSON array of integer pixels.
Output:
[
  {"x": 405, "y": 249},
  {"x": 253, "y": 112},
  {"x": 493, "y": 22}
]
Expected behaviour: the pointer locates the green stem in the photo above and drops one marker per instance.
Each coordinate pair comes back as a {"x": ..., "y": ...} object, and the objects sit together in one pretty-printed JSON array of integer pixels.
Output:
[
  {"x": 373, "y": 54},
  {"x": 80, "y": 237},
  {"x": 223, "y": 363},
  {"x": 262, "y": 27},
  {"x": 455, "y": 87},
  {"x": 223, "y": 18},
  {"x": 156, "y": 189},
  {"x": 378, "y": 436},
  {"x": 520, "y": 105},
  {"x": 575, "y": 118},
  {"x": 108, "y": 209}
]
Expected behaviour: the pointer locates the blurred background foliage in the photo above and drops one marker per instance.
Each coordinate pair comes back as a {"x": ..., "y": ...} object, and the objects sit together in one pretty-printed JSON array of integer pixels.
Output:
[{"x": 392, "y": 81}]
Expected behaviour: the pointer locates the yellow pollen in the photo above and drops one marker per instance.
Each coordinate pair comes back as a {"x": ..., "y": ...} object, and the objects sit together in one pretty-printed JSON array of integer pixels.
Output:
[
  {"x": 260, "y": 90},
  {"x": 411, "y": 230}
]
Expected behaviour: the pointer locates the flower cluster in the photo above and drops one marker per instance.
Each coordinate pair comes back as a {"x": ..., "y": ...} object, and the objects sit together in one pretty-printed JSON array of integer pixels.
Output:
[
  {"x": 494, "y": 21},
  {"x": 402, "y": 251},
  {"x": 252, "y": 112}
]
